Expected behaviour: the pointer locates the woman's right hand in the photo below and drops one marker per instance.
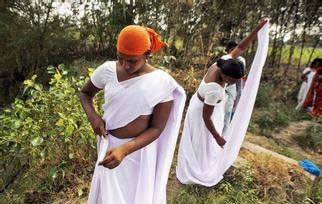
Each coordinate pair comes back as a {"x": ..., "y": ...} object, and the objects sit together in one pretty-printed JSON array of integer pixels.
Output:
[
  {"x": 98, "y": 125},
  {"x": 245, "y": 43},
  {"x": 220, "y": 141}
]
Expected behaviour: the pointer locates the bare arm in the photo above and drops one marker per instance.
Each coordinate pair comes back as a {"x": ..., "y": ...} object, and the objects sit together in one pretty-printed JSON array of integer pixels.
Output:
[
  {"x": 159, "y": 120},
  {"x": 244, "y": 44},
  {"x": 86, "y": 97},
  {"x": 206, "y": 115}
]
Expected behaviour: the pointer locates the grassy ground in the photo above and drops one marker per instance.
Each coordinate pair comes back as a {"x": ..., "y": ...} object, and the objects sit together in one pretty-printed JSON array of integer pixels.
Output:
[{"x": 297, "y": 53}]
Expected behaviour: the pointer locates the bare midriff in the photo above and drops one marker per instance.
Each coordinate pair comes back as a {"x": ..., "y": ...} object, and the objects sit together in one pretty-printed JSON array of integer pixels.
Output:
[{"x": 133, "y": 129}]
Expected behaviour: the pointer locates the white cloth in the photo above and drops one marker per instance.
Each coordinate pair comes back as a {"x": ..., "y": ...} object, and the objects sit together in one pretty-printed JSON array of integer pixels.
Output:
[
  {"x": 206, "y": 163},
  {"x": 198, "y": 149},
  {"x": 305, "y": 86},
  {"x": 142, "y": 177},
  {"x": 231, "y": 94}
]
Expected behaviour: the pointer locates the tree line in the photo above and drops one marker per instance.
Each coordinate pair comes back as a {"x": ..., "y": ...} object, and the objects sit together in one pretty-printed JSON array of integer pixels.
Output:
[{"x": 33, "y": 35}]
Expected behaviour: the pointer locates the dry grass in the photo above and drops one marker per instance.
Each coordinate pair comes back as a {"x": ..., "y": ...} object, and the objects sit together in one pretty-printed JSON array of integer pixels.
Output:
[{"x": 277, "y": 181}]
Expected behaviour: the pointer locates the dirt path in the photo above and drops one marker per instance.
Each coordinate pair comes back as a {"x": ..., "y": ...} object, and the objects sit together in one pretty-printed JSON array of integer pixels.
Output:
[{"x": 284, "y": 143}]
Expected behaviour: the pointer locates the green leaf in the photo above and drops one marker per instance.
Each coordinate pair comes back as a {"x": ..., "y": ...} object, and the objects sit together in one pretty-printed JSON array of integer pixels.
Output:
[
  {"x": 57, "y": 77},
  {"x": 17, "y": 124},
  {"x": 23, "y": 115},
  {"x": 28, "y": 82},
  {"x": 29, "y": 120},
  {"x": 61, "y": 67},
  {"x": 80, "y": 192},
  {"x": 90, "y": 71},
  {"x": 71, "y": 155},
  {"x": 69, "y": 130},
  {"x": 38, "y": 87},
  {"x": 43, "y": 153},
  {"x": 37, "y": 141},
  {"x": 60, "y": 122},
  {"x": 34, "y": 77}
]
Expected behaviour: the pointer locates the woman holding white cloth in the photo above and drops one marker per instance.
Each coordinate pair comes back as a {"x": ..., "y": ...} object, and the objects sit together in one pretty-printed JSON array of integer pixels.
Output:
[{"x": 202, "y": 137}]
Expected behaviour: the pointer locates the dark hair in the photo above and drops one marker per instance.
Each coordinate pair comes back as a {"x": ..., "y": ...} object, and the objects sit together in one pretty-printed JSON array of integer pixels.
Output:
[
  {"x": 230, "y": 45},
  {"x": 317, "y": 61},
  {"x": 231, "y": 67},
  {"x": 147, "y": 53}
]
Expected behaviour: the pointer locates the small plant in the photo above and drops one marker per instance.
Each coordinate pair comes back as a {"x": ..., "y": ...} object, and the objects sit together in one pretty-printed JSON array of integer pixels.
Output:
[
  {"x": 273, "y": 117},
  {"x": 311, "y": 138},
  {"x": 237, "y": 187},
  {"x": 264, "y": 96}
]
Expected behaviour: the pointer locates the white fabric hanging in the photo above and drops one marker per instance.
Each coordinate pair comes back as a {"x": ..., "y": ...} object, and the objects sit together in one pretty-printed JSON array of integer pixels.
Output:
[
  {"x": 305, "y": 86},
  {"x": 215, "y": 161}
]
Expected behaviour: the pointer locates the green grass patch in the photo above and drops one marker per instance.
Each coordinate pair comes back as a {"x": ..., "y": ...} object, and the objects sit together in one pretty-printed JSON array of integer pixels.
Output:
[
  {"x": 311, "y": 138},
  {"x": 271, "y": 115},
  {"x": 238, "y": 187},
  {"x": 297, "y": 53}
]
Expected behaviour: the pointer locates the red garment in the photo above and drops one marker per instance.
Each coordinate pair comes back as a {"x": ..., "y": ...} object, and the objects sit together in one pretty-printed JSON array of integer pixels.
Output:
[{"x": 314, "y": 95}]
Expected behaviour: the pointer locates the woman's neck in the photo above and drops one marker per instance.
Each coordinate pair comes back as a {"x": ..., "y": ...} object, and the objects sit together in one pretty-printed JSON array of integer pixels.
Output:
[{"x": 218, "y": 77}]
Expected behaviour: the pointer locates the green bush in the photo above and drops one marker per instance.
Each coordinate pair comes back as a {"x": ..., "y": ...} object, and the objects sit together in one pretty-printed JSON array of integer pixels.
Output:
[
  {"x": 264, "y": 96},
  {"x": 46, "y": 143},
  {"x": 270, "y": 119},
  {"x": 311, "y": 138},
  {"x": 274, "y": 116}
]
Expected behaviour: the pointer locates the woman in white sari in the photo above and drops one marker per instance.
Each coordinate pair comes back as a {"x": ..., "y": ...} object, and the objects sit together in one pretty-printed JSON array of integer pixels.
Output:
[
  {"x": 139, "y": 128},
  {"x": 202, "y": 138}
]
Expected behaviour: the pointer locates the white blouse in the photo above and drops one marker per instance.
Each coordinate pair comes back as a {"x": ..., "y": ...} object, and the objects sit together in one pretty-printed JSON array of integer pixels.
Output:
[{"x": 212, "y": 92}]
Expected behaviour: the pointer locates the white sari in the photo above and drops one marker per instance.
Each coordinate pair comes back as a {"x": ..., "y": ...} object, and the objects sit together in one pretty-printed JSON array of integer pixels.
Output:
[{"x": 142, "y": 176}]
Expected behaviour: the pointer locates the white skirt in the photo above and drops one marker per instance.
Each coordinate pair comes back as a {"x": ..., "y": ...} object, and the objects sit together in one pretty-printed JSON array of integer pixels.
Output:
[
  {"x": 305, "y": 86},
  {"x": 132, "y": 182},
  {"x": 197, "y": 156}
]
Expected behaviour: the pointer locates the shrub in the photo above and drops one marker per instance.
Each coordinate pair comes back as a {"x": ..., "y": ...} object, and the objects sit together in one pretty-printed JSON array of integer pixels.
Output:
[
  {"x": 311, "y": 138},
  {"x": 46, "y": 141},
  {"x": 274, "y": 116},
  {"x": 264, "y": 96}
]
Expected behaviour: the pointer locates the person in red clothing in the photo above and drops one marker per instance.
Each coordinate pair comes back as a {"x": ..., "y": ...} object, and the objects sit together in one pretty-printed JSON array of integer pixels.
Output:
[{"x": 314, "y": 96}]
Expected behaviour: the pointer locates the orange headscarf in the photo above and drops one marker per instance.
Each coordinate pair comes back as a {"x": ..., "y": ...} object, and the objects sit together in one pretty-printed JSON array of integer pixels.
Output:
[{"x": 136, "y": 40}]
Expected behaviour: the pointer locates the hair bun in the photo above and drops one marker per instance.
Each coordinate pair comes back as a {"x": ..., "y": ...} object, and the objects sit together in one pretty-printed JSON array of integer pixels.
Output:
[
  {"x": 233, "y": 68},
  {"x": 220, "y": 63}
]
